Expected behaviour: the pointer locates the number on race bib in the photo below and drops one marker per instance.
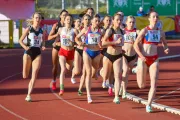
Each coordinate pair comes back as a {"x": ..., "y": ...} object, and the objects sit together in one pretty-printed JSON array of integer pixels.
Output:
[
  {"x": 93, "y": 38},
  {"x": 154, "y": 35},
  {"x": 36, "y": 42},
  {"x": 130, "y": 37}
]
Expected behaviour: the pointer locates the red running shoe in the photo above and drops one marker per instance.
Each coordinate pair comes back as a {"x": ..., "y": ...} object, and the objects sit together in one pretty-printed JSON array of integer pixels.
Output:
[
  {"x": 53, "y": 85},
  {"x": 110, "y": 91},
  {"x": 61, "y": 92}
]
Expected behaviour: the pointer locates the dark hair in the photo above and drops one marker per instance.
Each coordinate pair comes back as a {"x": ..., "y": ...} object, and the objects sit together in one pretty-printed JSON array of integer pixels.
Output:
[
  {"x": 85, "y": 11},
  {"x": 96, "y": 16},
  {"x": 117, "y": 14},
  {"x": 59, "y": 19},
  {"x": 74, "y": 20},
  {"x": 86, "y": 15},
  {"x": 151, "y": 12},
  {"x": 101, "y": 24},
  {"x": 69, "y": 15},
  {"x": 152, "y": 6}
]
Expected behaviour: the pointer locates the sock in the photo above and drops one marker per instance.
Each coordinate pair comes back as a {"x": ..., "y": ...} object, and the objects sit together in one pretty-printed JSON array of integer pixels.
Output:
[{"x": 61, "y": 87}]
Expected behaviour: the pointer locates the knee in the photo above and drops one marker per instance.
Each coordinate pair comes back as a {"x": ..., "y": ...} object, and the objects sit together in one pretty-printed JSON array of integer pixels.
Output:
[
  {"x": 88, "y": 72},
  {"x": 63, "y": 70}
]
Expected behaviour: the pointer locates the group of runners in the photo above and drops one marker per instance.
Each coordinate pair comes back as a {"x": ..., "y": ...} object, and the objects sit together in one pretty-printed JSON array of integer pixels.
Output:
[{"x": 89, "y": 46}]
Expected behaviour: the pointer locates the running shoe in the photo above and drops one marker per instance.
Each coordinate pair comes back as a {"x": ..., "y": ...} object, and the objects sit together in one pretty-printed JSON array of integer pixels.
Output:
[
  {"x": 54, "y": 85},
  {"x": 28, "y": 99},
  {"x": 116, "y": 100},
  {"x": 104, "y": 85},
  {"x": 61, "y": 92},
  {"x": 149, "y": 109},
  {"x": 73, "y": 81},
  {"x": 124, "y": 95},
  {"x": 89, "y": 99},
  {"x": 80, "y": 93},
  {"x": 134, "y": 70},
  {"x": 110, "y": 91}
]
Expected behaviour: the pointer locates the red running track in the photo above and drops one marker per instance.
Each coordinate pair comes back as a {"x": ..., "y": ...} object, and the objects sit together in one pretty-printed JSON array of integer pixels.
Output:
[{"x": 48, "y": 105}]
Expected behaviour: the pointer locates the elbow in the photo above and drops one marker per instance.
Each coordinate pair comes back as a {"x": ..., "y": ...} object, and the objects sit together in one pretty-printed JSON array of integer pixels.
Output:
[
  {"x": 103, "y": 44},
  {"x": 49, "y": 38}
]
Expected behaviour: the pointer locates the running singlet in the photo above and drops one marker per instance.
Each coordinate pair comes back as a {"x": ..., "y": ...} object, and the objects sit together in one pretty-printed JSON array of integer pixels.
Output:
[
  {"x": 130, "y": 36},
  {"x": 34, "y": 38},
  {"x": 152, "y": 36},
  {"x": 92, "y": 38},
  {"x": 115, "y": 37},
  {"x": 67, "y": 37}
]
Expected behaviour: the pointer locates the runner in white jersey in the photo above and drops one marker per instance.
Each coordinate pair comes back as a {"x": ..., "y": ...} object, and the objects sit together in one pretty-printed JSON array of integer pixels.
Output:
[
  {"x": 66, "y": 52},
  {"x": 129, "y": 57},
  {"x": 56, "y": 45},
  {"x": 32, "y": 54}
]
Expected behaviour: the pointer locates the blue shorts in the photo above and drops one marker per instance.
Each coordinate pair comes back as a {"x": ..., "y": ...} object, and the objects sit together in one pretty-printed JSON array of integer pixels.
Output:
[{"x": 92, "y": 53}]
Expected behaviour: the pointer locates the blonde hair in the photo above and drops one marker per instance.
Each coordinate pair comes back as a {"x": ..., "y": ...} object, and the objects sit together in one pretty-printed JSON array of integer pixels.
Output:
[
  {"x": 30, "y": 21},
  {"x": 130, "y": 17}
]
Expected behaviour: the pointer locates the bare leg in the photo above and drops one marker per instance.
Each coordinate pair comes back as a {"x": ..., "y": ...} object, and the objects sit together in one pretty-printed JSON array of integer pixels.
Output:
[
  {"x": 26, "y": 65},
  {"x": 141, "y": 73},
  {"x": 36, "y": 64},
  {"x": 154, "y": 73},
  {"x": 117, "y": 66},
  {"x": 55, "y": 63}
]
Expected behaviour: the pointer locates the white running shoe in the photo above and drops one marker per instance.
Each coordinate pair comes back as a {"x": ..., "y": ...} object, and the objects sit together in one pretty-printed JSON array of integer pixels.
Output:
[
  {"x": 149, "y": 109},
  {"x": 104, "y": 85},
  {"x": 89, "y": 100},
  {"x": 134, "y": 70},
  {"x": 124, "y": 95},
  {"x": 73, "y": 80},
  {"x": 28, "y": 99}
]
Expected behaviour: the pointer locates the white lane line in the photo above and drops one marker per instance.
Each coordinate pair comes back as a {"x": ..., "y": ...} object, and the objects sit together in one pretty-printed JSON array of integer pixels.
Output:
[
  {"x": 12, "y": 113},
  {"x": 166, "y": 94},
  {"x": 78, "y": 106},
  {"x": 10, "y": 77},
  {"x": 6, "y": 109},
  {"x": 169, "y": 57},
  {"x": 154, "y": 105}
]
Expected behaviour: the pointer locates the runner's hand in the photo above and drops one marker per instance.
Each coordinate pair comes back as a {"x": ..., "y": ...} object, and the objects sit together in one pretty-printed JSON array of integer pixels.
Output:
[
  {"x": 27, "y": 48},
  {"x": 119, "y": 41},
  {"x": 166, "y": 51},
  {"x": 143, "y": 58},
  {"x": 43, "y": 48}
]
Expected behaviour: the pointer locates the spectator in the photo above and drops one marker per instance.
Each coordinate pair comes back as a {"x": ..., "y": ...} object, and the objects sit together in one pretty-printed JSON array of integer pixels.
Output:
[
  {"x": 151, "y": 9},
  {"x": 140, "y": 12}
]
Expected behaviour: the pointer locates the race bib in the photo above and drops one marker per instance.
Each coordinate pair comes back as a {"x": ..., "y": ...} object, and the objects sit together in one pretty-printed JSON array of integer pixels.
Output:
[
  {"x": 130, "y": 37},
  {"x": 35, "y": 41},
  {"x": 93, "y": 38},
  {"x": 153, "y": 36},
  {"x": 66, "y": 40},
  {"x": 116, "y": 37}
]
